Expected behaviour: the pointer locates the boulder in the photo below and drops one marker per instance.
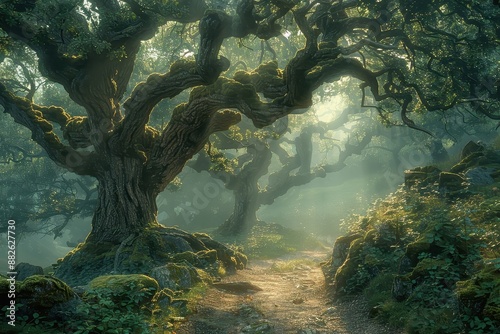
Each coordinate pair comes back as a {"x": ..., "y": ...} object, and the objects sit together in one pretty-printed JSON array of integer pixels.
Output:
[
  {"x": 480, "y": 295},
  {"x": 480, "y": 176},
  {"x": 175, "y": 276},
  {"x": 349, "y": 267},
  {"x": 416, "y": 248},
  {"x": 45, "y": 295},
  {"x": 422, "y": 176},
  {"x": 339, "y": 255},
  {"x": 25, "y": 270},
  {"x": 451, "y": 181},
  {"x": 470, "y": 148}
]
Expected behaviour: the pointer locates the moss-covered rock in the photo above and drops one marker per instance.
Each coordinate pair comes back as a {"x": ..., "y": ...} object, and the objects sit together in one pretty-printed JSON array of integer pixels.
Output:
[
  {"x": 425, "y": 267},
  {"x": 470, "y": 148},
  {"x": 349, "y": 267},
  {"x": 339, "y": 255},
  {"x": 132, "y": 289},
  {"x": 451, "y": 181},
  {"x": 418, "y": 248},
  {"x": 486, "y": 158},
  {"x": 25, "y": 270},
  {"x": 41, "y": 294},
  {"x": 480, "y": 176},
  {"x": 45, "y": 290},
  {"x": 422, "y": 176},
  {"x": 176, "y": 276},
  {"x": 139, "y": 254},
  {"x": 480, "y": 295}
]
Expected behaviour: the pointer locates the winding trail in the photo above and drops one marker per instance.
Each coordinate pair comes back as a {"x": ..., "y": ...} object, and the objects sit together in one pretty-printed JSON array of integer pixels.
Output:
[{"x": 289, "y": 302}]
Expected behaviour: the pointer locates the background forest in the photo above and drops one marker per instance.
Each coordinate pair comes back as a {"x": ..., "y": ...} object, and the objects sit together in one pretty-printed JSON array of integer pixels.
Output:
[{"x": 171, "y": 139}]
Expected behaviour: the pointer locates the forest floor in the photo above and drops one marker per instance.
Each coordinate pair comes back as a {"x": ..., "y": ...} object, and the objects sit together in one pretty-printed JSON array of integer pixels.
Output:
[{"x": 292, "y": 300}]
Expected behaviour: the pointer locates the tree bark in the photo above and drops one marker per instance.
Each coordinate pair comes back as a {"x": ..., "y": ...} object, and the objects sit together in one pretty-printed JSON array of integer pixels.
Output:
[
  {"x": 125, "y": 205},
  {"x": 244, "y": 214},
  {"x": 246, "y": 191}
]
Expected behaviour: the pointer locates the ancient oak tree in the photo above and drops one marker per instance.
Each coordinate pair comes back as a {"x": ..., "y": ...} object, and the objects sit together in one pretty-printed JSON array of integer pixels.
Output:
[{"x": 408, "y": 56}]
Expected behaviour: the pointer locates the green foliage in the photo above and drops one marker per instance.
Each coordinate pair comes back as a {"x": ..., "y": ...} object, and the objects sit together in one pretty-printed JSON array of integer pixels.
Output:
[
  {"x": 105, "y": 316},
  {"x": 219, "y": 162},
  {"x": 267, "y": 241},
  {"x": 291, "y": 265},
  {"x": 108, "y": 310},
  {"x": 428, "y": 262}
]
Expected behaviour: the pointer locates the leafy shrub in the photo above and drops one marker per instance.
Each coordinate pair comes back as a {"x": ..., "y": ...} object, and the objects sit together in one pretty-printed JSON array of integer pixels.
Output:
[{"x": 429, "y": 243}]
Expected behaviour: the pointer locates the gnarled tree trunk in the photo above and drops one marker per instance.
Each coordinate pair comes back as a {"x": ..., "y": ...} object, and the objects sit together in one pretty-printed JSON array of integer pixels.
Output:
[
  {"x": 244, "y": 214},
  {"x": 246, "y": 191},
  {"x": 125, "y": 205}
]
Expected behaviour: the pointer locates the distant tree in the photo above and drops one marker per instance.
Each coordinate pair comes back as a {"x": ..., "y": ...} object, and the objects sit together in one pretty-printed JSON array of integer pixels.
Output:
[
  {"x": 246, "y": 171},
  {"x": 409, "y": 56}
]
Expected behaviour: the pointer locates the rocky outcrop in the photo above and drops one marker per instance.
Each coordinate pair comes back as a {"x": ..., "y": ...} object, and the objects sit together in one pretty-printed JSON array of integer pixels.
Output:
[
  {"x": 422, "y": 176},
  {"x": 46, "y": 296},
  {"x": 451, "y": 181},
  {"x": 429, "y": 252},
  {"x": 140, "y": 254},
  {"x": 176, "y": 276},
  {"x": 25, "y": 270},
  {"x": 479, "y": 166},
  {"x": 340, "y": 252}
]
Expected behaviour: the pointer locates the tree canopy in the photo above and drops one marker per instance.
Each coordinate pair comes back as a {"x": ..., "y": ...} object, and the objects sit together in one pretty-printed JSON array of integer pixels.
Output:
[{"x": 409, "y": 57}]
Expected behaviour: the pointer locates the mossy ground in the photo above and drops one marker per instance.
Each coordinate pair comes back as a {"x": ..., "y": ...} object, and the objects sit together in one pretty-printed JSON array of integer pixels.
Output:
[
  {"x": 153, "y": 247},
  {"x": 121, "y": 297},
  {"x": 428, "y": 259},
  {"x": 117, "y": 293},
  {"x": 270, "y": 240}
]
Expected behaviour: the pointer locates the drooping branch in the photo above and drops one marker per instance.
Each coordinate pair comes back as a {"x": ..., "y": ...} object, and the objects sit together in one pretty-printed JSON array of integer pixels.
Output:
[
  {"x": 183, "y": 74},
  {"x": 214, "y": 27},
  {"x": 242, "y": 96},
  {"x": 280, "y": 183},
  {"x": 97, "y": 77},
  {"x": 185, "y": 134},
  {"x": 29, "y": 115}
]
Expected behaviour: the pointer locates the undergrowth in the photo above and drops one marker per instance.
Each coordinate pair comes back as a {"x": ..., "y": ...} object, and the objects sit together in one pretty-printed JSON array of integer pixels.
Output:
[
  {"x": 427, "y": 262},
  {"x": 292, "y": 265},
  {"x": 269, "y": 241},
  {"x": 103, "y": 314}
]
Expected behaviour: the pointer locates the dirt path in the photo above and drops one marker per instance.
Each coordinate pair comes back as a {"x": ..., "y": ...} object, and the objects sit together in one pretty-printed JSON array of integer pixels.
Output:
[{"x": 289, "y": 302}]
